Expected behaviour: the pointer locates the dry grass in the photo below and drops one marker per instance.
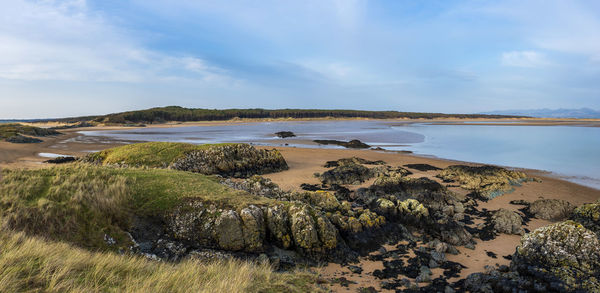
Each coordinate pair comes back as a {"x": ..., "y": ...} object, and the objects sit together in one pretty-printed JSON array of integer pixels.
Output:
[{"x": 29, "y": 264}]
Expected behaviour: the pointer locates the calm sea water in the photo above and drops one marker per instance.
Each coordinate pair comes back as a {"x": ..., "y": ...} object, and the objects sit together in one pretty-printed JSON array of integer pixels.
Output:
[{"x": 572, "y": 152}]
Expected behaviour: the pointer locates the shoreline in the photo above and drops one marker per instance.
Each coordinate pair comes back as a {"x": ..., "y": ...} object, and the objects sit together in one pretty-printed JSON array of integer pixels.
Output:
[{"x": 304, "y": 162}]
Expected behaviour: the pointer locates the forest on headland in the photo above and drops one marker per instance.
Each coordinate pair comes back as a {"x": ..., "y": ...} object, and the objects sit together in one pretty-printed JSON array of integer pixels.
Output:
[{"x": 176, "y": 113}]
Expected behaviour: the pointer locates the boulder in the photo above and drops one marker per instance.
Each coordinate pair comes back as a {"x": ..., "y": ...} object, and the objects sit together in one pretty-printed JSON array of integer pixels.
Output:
[
  {"x": 253, "y": 227},
  {"x": 278, "y": 224},
  {"x": 228, "y": 231},
  {"x": 235, "y": 160},
  {"x": 551, "y": 209},
  {"x": 485, "y": 181},
  {"x": 351, "y": 173},
  {"x": 589, "y": 216},
  {"x": 304, "y": 233},
  {"x": 564, "y": 255},
  {"x": 507, "y": 222}
]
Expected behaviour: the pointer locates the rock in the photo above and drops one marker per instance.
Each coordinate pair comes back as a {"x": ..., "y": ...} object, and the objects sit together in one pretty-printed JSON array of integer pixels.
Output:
[
  {"x": 551, "y": 209},
  {"x": 254, "y": 228},
  {"x": 61, "y": 160},
  {"x": 564, "y": 255},
  {"x": 422, "y": 167},
  {"x": 355, "y": 269},
  {"x": 354, "y": 144},
  {"x": 589, "y": 216},
  {"x": 507, "y": 222},
  {"x": 327, "y": 232},
  {"x": 351, "y": 173},
  {"x": 23, "y": 139},
  {"x": 228, "y": 231},
  {"x": 278, "y": 224},
  {"x": 385, "y": 207},
  {"x": 352, "y": 160},
  {"x": 235, "y": 160},
  {"x": 486, "y": 181},
  {"x": 285, "y": 134},
  {"x": 412, "y": 210},
  {"x": 303, "y": 228}
]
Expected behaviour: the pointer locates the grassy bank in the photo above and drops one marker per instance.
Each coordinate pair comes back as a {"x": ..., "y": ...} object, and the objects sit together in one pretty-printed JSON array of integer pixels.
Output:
[
  {"x": 30, "y": 264},
  {"x": 80, "y": 203}
]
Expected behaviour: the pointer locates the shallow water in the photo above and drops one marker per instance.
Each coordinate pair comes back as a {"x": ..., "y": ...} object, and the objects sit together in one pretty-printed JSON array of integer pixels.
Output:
[{"x": 572, "y": 152}]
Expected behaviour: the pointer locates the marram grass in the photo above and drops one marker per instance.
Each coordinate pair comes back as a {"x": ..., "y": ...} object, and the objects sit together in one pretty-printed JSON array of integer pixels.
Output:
[{"x": 30, "y": 264}]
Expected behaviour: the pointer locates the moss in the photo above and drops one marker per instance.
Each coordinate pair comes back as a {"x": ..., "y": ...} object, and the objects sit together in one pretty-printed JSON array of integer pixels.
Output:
[{"x": 149, "y": 154}]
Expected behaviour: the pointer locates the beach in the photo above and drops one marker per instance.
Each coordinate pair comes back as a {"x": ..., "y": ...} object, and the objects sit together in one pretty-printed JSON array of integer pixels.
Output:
[{"x": 305, "y": 162}]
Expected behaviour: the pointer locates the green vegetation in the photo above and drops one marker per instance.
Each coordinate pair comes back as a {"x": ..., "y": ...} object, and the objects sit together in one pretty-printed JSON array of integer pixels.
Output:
[
  {"x": 13, "y": 132},
  {"x": 30, "y": 264},
  {"x": 175, "y": 113},
  {"x": 150, "y": 154},
  {"x": 80, "y": 203}
]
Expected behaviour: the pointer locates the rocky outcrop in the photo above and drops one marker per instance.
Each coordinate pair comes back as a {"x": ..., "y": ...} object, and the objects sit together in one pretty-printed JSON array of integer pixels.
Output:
[
  {"x": 228, "y": 231},
  {"x": 551, "y": 209},
  {"x": 589, "y": 216},
  {"x": 285, "y": 134},
  {"x": 562, "y": 257},
  {"x": 236, "y": 160},
  {"x": 355, "y": 160},
  {"x": 486, "y": 182},
  {"x": 507, "y": 222},
  {"x": 353, "y": 144},
  {"x": 350, "y": 173},
  {"x": 253, "y": 227}
]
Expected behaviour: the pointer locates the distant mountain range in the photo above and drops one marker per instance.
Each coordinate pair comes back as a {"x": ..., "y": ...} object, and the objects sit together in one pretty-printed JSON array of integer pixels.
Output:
[{"x": 550, "y": 113}]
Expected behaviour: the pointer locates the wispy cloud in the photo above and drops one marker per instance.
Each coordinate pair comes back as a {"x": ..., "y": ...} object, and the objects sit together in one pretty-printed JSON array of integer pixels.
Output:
[
  {"x": 524, "y": 59},
  {"x": 64, "y": 40}
]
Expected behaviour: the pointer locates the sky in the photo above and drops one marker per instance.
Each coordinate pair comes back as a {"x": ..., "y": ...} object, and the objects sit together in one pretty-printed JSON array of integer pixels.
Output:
[{"x": 77, "y": 57}]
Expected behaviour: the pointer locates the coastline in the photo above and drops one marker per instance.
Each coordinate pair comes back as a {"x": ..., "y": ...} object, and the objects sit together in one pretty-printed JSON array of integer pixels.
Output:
[{"x": 304, "y": 162}]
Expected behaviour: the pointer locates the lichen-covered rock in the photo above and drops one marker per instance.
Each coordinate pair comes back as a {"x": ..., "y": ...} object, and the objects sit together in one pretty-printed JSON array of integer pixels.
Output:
[
  {"x": 486, "y": 181},
  {"x": 228, "y": 231},
  {"x": 589, "y": 216},
  {"x": 566, "y": 255},
  {"x": 412, "y": 209},
  {"x": 278, "y": 224},
  {"x": 303, "y": 228},
  {"x": 354, "y": 225},
  {"x": 507, "y": 222},
  {"x": 192, "y": 222},
  {"x": 323, "y": 199},
  {"x": 551, "y": 209},
  {"x": 256, "y": 185},
  {"x": 327, "y": 233},
  {"x": 352, "y": 160},
  {"x": 369, "y": 220},
  {"x": 254, "y": 228},
  {"x": 236, "y": 160},
  {"x": 350, "y": 173},
  {"x": 385, "y": 207}
]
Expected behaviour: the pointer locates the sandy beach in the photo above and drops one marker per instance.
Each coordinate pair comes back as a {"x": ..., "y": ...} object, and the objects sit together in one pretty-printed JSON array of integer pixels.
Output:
[{"x": 304, "y": 162}]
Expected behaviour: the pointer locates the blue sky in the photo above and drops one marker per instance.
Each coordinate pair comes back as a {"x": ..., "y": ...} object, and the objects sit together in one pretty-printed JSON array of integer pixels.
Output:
[{"x": 77, "y": 57}]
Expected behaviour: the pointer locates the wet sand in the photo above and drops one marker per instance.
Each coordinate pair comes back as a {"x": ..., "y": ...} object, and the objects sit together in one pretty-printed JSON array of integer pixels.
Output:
[{"x": 304, "y": 162}]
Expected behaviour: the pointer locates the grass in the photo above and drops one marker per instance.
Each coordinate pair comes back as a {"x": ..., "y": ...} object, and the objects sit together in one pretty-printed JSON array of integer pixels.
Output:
[
  {"x": 80, "y": 203},
  {"x": 30, "y": 264},
  {"x": 150, "y": 154},
  {"x": 13, "y": 129}
]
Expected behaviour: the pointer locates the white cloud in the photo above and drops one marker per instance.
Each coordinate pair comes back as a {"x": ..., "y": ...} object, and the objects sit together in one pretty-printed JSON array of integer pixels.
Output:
[
  {"x": 523, "y": 59},
  {"x": 63, "y": 40}
]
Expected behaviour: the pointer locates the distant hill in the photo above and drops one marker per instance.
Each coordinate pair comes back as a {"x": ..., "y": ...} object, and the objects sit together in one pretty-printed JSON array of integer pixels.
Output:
[
  {"x": 176, "y": 113},
  {"x": 550, "y": 113}
]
